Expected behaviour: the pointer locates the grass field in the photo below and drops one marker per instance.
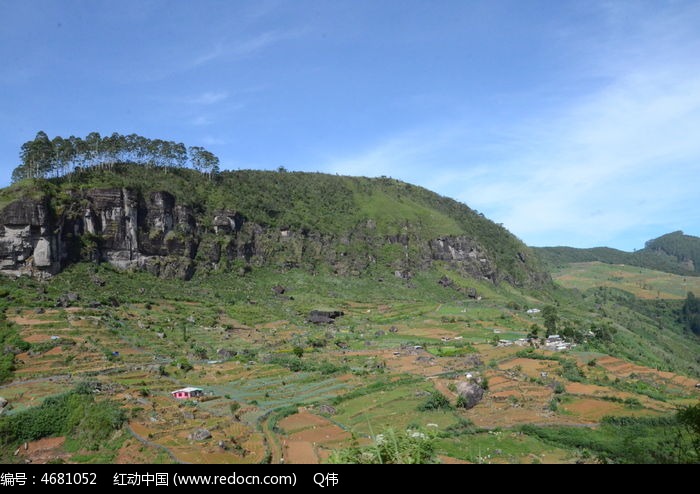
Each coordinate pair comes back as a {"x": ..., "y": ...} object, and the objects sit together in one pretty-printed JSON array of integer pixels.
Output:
[
  {"x": 643, "y": 283},
  {"x": 278, "y": 387}
]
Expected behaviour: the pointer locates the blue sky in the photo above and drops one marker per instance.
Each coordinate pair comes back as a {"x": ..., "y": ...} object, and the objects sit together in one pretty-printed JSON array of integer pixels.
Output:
[{"x": 572, "y": 123}]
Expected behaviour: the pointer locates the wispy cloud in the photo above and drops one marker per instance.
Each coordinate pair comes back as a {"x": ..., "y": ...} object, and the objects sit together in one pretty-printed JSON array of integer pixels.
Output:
[
  {"x": 202, "y": 120},
  {"x": 620, "y": 158},
  {"x": 213, "y": 141},
  {"x": 209, "y": 98},
  {"x": 221, "y": 51},
  {"x": 243, "y": 48}
]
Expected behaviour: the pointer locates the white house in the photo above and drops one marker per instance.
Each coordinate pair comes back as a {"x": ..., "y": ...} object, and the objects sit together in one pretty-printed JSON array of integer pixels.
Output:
[{"x": 186, "y": 393}]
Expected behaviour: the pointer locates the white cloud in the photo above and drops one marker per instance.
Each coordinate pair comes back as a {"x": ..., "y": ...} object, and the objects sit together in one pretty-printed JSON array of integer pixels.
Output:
[
  {"x": 201, "y": 120},
  {"x": 616, "y": 160},
  {"x": 243, "y": 48},
  {"x": 213, "y": 141},
  {"x": 209, "y": 98}
]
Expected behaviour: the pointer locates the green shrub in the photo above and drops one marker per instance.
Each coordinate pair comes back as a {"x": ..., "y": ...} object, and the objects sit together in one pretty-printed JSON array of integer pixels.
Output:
[
  {"x": 436, "y": 401},
  {"x": 75, "y": 413},
  {"x": 391, "y": 447}
]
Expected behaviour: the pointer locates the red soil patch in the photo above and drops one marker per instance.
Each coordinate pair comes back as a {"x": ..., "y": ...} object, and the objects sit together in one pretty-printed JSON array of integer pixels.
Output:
[
  {"x": 413, "y": 362},
  {"x": 505, "y": 394},
  {"x": 448, "y": 460},
  {"x": 300, "y": 452},
  {"x": 530, "y": 367},
  {"x": 496, "y": 381},
  {"x": 26, "y": 321},
  {"x": 442, "y": 386},
  {"x": 302, "y": 420},
  {"x": 588, "y": 389},
  {"x": 620, "y": 368},
  {"x": 272, "y": 325},
  {"x": 492, "y": 414},
  {"x": 326, "y": 434},
  {"x": 37, "y": 338},
  {"x": 44, "y": 450},
  {"x": 592, "y": 410}
]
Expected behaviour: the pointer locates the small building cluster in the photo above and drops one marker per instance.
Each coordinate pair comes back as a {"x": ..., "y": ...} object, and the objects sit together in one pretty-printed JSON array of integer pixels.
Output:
[
  {"x": 556, "y": 343},
  {"x": 187, "y": 393}
]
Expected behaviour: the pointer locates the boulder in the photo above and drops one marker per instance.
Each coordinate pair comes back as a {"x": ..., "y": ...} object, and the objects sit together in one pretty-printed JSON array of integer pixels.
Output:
[
  {"x": 327, "y": 409},
  {"x": 3, "y": 402},
  {"x": 200, "y": 435},
  {"x": 470, "y": 393},
  {"x": 473, "y": 360},
  {"x": 324, "y": 316},
  {"x": 226, "y": 354},
  {"x": 67, "y": 299},
  {"x": 445, "y": 281}
]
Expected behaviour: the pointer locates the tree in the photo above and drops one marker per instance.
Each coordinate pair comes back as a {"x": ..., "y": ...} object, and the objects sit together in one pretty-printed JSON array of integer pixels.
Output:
[
  {"x": 42, "y": 157},
  {"x": 690, "y": 313},
  {"x": 604, "y": 332},
  {"x": 92, "y": 148},
  {"x": 551, "y": 318},
  {"x": 689, "y": 418},
  {"x": 534, "y": 331},
  {"x": 37, "y": 157},
  {"x": 204, "y": 160},
  {"x": 64, "y": 154}
]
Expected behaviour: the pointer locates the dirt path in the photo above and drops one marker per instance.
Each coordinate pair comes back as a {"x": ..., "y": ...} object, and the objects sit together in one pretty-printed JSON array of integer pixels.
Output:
[{"x": 272, "y": 441}]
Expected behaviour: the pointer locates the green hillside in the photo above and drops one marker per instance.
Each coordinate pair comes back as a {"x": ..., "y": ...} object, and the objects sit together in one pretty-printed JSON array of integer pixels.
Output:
[
  {"x": 388, "y": 222},
  {"x": 320, "y": 316},
  {"x": 642, "y": 282},
  {"x": 673, "y": 253}
]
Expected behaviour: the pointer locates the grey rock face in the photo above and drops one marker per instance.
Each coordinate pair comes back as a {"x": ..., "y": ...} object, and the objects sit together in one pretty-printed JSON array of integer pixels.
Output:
[
  {"x": 200, "y": 435},
  {"x": 471, "y": 393}
]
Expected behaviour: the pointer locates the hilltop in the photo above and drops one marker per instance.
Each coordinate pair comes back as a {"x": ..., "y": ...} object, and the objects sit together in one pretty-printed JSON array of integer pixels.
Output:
[
  {"x": 174, "y": 221},
  {"x": 673, "y": 253}
]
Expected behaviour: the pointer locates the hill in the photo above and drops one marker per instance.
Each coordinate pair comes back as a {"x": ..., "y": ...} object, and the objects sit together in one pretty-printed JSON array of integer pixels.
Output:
[
  {"x": 174, "y": 221},
  {"x": 315, "y": 313},
  {"x": 642, "y": 282},
  {"x": 673, "y": 253}
]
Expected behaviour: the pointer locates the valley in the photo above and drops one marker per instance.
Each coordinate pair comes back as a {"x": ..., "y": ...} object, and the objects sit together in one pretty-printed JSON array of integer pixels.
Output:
[
  {"x": 278, "y": 388},
  {"x": 319, "y": 319}
]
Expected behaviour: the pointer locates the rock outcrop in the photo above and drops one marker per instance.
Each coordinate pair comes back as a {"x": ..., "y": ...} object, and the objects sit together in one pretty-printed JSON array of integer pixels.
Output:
[
  {"x": 27, "y": 240},
  {"x": 470, "y": 394},
  {"x": 112, "y": 225},
  {"x": 156, "y": 232}
]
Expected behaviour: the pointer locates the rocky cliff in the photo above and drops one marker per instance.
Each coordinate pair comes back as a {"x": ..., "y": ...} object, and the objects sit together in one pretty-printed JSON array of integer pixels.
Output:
[{"x": 133, "y": 228}]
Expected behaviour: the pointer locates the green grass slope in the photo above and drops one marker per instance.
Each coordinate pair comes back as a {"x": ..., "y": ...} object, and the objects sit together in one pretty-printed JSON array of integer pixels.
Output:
[{"x": 673, "y": 253}]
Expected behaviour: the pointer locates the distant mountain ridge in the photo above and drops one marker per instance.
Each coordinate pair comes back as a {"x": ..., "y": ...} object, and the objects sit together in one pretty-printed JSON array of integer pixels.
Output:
[{"x": 674, "y": 252}]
